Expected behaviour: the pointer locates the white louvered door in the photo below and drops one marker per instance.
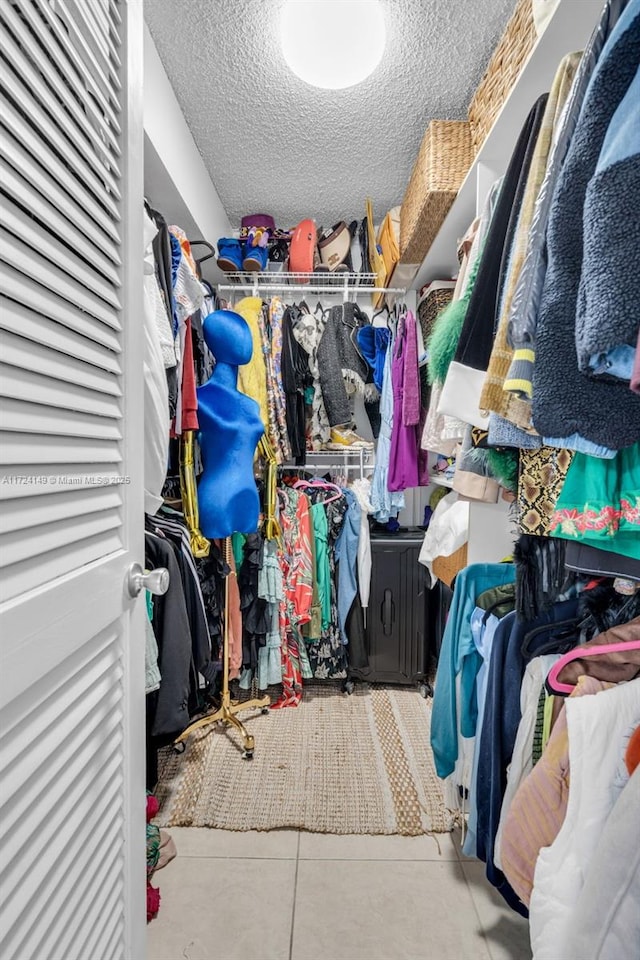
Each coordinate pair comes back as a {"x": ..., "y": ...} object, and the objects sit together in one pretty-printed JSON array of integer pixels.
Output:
[{"x": 72, "y": 800}]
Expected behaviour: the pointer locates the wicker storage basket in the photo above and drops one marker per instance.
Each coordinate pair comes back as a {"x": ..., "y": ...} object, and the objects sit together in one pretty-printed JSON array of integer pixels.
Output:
[
  {"x": 504, "y": 69},
  {"x": 446, "y": 568},
  {"x": 443, "y": 160}
]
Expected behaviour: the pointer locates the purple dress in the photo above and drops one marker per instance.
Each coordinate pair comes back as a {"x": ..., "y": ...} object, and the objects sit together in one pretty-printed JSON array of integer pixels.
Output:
[{"x": 405, "y": 379}]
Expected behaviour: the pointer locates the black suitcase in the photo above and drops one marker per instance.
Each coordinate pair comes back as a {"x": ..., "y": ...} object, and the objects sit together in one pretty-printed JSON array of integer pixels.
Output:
[{"x": 396, "y": 634}]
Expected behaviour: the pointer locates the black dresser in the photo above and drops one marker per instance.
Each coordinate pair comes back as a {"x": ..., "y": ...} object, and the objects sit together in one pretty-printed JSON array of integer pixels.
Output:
[{"x": 396, "y": 631}]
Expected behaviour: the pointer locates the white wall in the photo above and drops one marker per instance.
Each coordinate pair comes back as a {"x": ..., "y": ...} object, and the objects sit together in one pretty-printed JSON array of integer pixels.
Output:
[{"x": 176, "y": 181}]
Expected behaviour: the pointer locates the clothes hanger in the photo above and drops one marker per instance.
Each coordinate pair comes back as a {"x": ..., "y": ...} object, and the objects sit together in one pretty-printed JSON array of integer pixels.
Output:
[
  {"x": 564, "y": 633},
  {"x": 383, "y": 309},
  {"x": 556, "y": 686},
  {"x": 203, "y": 243},
  {"x": 200, "y": 260},
  {"x": 320, "y": 485}
]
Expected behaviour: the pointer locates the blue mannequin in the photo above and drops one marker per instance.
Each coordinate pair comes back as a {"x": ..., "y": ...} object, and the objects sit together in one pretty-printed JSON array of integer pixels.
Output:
[{"x": 230, "y": 428}]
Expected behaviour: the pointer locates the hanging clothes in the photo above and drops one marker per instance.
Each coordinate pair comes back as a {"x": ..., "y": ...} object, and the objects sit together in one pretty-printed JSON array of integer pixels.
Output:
[
  {"x": 405, "y": 380},
  {"x": 252, "y": 376},
  {"x": 362, "y": 489},
  {"x": 341, "y": 366},
  {"x": 156, "y": 393},
  {"x": 296, "y": 377},
  {"x": 599, "y": 503},
  {"x": 493, "y": 397},
  {"x": 295, "y": 607},
  {"x": 598, "y": 728},
  {"x": 385, "y": 503},
  {"x": 271, "y": 331},
  {"x": 466, "y": 374},
  {"x": 270, "y": 589},
  {"x": 169, "y": 712},
  {"x": 441, "y": 432},
  {"x": 522, "y": 760},
  {"x": 308, "y": 330},
  {"x": 540, "y": 805},
  {"x": 605, "y": 919},
  {"x": 585, "y": 413},
  {"x": 253, "y": 608},
  {"x": 327, "y": 656},
  {"x": 347, "y": 558},
  {"x": 171, "y": 524},
  {"x": 322, "y": 567},
  {"x": 525, "y": 308}
]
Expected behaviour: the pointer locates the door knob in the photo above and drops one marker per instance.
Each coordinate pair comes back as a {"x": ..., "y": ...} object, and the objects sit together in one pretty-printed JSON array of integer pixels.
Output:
[{"x": 156, "y": 581}]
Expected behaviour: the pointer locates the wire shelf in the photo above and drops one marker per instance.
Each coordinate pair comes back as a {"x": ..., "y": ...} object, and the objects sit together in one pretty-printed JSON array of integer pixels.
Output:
[
  {"x": 361, "y": 459},
  {"x": 287, "y": 277},
  {"x": 268, "y": 281}
]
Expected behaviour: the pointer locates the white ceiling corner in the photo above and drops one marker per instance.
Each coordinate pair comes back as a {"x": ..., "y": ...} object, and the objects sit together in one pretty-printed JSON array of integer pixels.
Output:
[{"x": 273, "y": 144}]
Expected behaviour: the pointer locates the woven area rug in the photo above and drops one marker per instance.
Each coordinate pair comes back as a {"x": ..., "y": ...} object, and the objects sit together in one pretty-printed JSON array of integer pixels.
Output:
[{"x": 335, "y": 764}]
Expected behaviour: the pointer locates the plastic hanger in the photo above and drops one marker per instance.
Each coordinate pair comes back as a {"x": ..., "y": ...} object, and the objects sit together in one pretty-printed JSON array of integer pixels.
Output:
[
  {"x": 320, "y": 485},
  {"x": 207, "y": 256},
  {"x": 556, "y": 686},
  {"x": 378, "y": 313},
  {"x": 563, "y": 634}
]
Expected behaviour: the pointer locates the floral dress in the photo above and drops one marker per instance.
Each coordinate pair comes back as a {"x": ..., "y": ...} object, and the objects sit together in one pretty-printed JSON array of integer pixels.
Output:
[
  {"x": 308, "y": 332},
  {"x": 599, "y": 504},
  {"x": 328, "y": 655},
  {"x": 297, "y": 585},
  {"x": 271, "y": 332}
]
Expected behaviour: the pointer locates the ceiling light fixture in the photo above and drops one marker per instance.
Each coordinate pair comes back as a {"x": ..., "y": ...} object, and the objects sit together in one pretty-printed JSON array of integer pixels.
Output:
[{"x": 332, "y": 44}]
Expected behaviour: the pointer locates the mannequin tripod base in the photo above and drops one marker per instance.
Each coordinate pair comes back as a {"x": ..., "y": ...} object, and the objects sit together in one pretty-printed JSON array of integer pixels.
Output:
[{"x": 227, "y": 715}]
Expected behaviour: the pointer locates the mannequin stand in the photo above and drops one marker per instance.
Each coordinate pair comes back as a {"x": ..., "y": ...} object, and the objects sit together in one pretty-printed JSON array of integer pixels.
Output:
[{"x": 227, "y": 714}]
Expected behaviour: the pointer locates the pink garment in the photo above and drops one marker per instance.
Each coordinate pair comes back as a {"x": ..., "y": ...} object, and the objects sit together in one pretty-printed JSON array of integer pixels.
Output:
[
  {"x": 635, "y": 376},
  {"x": 235, "y": 622},
  {"x": 540, "y": 804},
  {"x": 405, "y": 380}
]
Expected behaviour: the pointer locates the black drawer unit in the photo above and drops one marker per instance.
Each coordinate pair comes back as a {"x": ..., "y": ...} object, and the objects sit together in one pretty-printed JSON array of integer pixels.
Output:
[{"x": 396, "y": 633}]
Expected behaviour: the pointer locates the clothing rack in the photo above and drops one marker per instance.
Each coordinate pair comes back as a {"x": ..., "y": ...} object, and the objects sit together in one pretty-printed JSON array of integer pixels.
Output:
[
  {"x": 227, "y": 714},
  {"x": 334, "y": 459}
]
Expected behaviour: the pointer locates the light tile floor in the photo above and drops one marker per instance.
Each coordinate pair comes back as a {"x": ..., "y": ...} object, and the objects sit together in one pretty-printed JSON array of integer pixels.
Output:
[{"x": 286, "y": 895}]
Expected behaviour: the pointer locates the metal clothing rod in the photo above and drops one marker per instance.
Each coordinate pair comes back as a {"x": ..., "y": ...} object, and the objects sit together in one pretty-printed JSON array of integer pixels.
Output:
[
  {"x": 325, "y": 466},
  {"x": 320, "y": 288}
]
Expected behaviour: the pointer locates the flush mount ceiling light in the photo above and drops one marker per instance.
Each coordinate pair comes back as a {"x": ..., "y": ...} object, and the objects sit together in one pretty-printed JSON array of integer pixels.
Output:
[{"x": 332, "y": 44}]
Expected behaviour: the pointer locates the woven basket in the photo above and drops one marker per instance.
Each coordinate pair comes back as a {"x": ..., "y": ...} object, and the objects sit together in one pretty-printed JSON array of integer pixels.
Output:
[
  {"x": 446, "y": 568},
  {"x": 504, "y": 68},
  {"x": 445, "y": 155},
  {"x": 433, "y": 299}
]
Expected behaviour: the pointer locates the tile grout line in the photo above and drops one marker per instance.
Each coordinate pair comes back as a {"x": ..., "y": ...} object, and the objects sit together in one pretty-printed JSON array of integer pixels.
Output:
[
  {"x": 205, "y": 856},
  {"x": 477, "y": 912},
  {"x": 378, "y": 860},
  {"x": 295, "y": 896}
]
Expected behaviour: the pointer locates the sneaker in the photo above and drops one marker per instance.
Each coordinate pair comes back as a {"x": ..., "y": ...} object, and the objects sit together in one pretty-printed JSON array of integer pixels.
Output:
[{"x": 348, "y": 439}]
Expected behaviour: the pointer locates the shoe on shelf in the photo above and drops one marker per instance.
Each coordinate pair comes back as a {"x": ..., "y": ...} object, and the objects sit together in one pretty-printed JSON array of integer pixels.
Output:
[
  {"x": 229, "y": 255},
  {"x": 343, "y": 439},
  {"x": 255, "y": 258},
  {"x": 335, "y": 247}
]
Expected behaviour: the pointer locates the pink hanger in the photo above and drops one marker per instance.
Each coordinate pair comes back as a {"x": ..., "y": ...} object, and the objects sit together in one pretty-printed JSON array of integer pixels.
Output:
[
  {"x": 321, "y": 485},
  {"x": 577, "y": 653}
]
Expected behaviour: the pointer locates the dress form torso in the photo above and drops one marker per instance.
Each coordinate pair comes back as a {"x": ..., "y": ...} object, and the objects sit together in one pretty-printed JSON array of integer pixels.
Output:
[{"x": 230, "y": 428}]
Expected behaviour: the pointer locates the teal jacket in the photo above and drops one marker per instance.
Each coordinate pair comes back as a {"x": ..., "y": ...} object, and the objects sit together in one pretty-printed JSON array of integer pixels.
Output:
[{"x": 459, "y": 656}]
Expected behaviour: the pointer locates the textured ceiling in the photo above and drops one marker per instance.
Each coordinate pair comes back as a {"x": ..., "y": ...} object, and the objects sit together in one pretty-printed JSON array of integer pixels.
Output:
[{"x": 273, "y": 144}]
